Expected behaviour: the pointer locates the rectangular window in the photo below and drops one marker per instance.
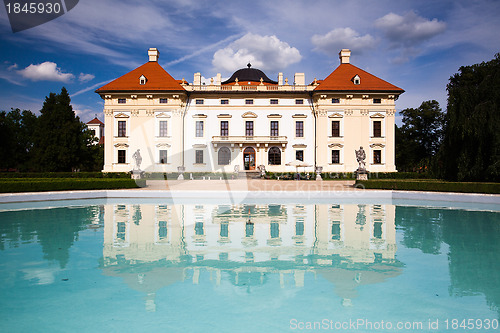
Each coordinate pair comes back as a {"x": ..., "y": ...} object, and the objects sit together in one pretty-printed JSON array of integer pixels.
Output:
[
  {"x": 163, "y": 100},
  {"x": 249, "y": 128},
  {"x": 336, "y": 128},
  {"x": 162, "y": 230},
  {"x": 274, "y": 101},
  {"x": 248, "y": 101},
  {"x": 163, "y": 157},
  {"x": 377, "y": 101},
  {"x": 122, "y": 156},
  {"x": 122, "y": 128},
  {"x": 274, "y": 128},
  {"x": 377, "y": 157},
  {"x": 199, "y": 101},
  {"x": 199, "y": 156},
  {"x": 199, "y": 129},
  {"x": 377, "y": 129},
  {"x": 163, "y": 128},
  {"x": 299, "y": 129},
  {"x": 336, "y": 231},
  {"x": 122, "y": 100},
  {"x": 335, "y": 156},
  {"x": 299, "y": 101},
  {"x": 224, "y": 128},
  {"x": 224, "y": 101},
  {"x": 335, "y": 100},
  {"x": 299, "y": 155}
]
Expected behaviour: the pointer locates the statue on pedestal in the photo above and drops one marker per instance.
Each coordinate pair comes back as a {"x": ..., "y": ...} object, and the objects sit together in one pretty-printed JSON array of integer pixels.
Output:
[
  {"x": 360, "y": 157},
  {"x": 361, "y": 173},
  {"x": 137, "y": 173}
]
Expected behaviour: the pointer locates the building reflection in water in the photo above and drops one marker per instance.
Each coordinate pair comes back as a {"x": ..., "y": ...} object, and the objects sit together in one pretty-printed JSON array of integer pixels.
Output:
[{"x": 152, "y": 246}]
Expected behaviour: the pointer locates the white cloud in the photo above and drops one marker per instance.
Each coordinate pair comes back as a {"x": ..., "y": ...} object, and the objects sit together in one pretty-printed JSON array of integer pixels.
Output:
[
  {"x": 263, "y": 52},
  {"x": 341, "y": 38},
  {"x": 85, "y": 77},
  {"x": 46, "y": 71},
  {"x": 410, "y": 29}
]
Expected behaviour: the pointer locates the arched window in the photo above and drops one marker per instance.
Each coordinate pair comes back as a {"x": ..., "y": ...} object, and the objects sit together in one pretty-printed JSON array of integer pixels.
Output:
[
  {"x": 224, "y": 156},
  {"x": 274, "y": 156}
]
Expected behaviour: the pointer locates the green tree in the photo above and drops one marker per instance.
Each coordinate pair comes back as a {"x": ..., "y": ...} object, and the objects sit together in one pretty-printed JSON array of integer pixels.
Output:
[
  {"x": 62, "y": 141},
  {"x": 420, "y": 136},
  {"x": 471, "y": 145},
  {"x": 16, "y": 135}
]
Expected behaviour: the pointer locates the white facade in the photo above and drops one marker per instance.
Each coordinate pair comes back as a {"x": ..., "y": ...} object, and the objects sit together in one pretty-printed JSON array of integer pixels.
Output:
[{"x": 248, "y": 121}]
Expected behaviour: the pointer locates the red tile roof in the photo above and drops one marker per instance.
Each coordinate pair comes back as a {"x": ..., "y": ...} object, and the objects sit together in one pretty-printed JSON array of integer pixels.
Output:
[
  {"x": 95, "y": 121},
  {"x": 157, "y": 79},
  {"x": 341, "y": 79}
]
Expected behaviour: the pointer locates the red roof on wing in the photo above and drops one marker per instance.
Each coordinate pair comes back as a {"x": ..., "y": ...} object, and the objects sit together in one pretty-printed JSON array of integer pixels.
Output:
[
  {"x": 95, "y": 121},
  {"x": 156, "y": 79},
  {"x": 342, "y": 79}
]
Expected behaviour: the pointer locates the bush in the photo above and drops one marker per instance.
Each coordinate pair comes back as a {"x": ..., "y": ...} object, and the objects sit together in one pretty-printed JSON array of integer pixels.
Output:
[
  {"x": 65, "y": 184},
  {"x": 64, "y": 175},
  {"x": 431, "y": 185},
  {"x": 399, "y": 175}
]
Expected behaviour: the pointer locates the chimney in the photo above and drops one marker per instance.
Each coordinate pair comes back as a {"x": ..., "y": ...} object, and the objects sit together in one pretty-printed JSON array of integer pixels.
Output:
[
  {"x": 197, "y": 79},
  {"x": 280, "y": 79},
  {"x": 344, "y": 56},
  {"x": 153, "y": 54},
  {"x": 299, "y": 79}
]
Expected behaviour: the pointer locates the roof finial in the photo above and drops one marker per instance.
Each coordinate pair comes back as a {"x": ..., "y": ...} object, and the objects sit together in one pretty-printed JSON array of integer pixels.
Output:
[{"x": 249, "y": 65}]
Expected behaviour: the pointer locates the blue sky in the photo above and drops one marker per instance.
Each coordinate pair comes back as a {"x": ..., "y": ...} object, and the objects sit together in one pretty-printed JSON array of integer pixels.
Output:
[{"x": 416, "y": 45}]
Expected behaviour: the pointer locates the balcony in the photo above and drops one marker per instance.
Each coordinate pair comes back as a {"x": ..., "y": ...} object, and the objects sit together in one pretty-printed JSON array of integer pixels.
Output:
[{"x": 258, "y": 141}]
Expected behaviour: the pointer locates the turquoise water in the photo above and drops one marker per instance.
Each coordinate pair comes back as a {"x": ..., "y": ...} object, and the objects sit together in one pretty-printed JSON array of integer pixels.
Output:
[{"x": 169, "y": 267}]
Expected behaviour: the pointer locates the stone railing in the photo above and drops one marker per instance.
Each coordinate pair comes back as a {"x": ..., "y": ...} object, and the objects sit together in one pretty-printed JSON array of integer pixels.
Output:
[{"x": 250, "y": 88}]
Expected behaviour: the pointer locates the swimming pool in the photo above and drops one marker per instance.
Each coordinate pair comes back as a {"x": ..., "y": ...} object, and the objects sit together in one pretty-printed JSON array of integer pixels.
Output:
[{"x": 163, "y": 266}]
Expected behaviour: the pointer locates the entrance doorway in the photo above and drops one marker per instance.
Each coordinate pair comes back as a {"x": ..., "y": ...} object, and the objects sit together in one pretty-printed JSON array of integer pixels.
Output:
[{"x": 249, "y": 158}]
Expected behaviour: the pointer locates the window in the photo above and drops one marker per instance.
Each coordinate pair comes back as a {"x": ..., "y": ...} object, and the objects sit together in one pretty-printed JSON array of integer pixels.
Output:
[
  {"x": 163, "y": 157},
  {"x": 336, "y": 230},
  {"x": 274, "y": 101},
  {"x": 199, "y": 101},
  {"x": 299, "y": 129},
  {"x": 274, "y": 156},
  {"x": 199, "y": 129},
  {"x": 198, "y": 229},
  {"x": 275, "y": 229},
  {"x": 162, "y": 230},
  {"x": 299, "y": 227},
  {"x": 122, "y": 100},
  {"x": 299, "y": 155},
  {"x": 142, "y": 80},
  {"x": 122, "y": 128},
  {"x": 224, "y": 101},
  {"x": 356, "y": 80},
  {"x": 377, "y": 101},
  {"x": 299, "y": 101},
  {"x": 163, "y": 100},
  {"x": 377, "y": 157},
  {"x": 248, "y": 101},
  {"x": 274, "y": 128},
  {"x": 163, "y": 128},
  {"x": 249, "y": 128},
  {"x": 335, "y": 156},
  {"x": 377, "y": 129},
  {"x": 224, "y": 156},
  {"x": 199, "y": 157},
  {"x": 224, "y": 128},
  {"x": 336, "y": 128},
  {"x": 335, "y": 100},
  {"x": 122, "y": 156}
]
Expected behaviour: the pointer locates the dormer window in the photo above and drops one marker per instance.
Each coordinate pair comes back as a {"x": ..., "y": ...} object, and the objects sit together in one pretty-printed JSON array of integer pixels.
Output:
[
  {"x": 142, "y": 80},
  {"x": 356, "y": 80}
]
